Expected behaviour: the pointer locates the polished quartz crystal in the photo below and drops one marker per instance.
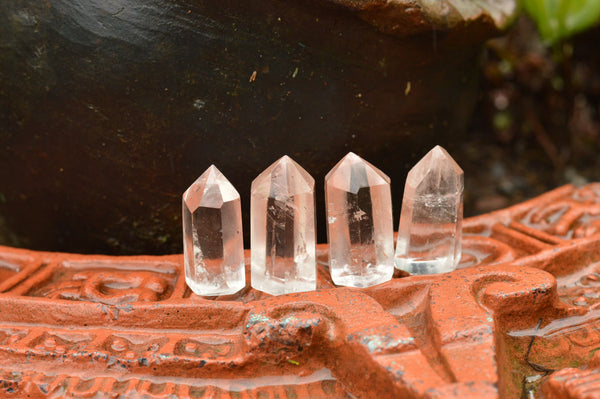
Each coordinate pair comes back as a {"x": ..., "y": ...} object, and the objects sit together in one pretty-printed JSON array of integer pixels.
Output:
[
  {"x": 282, "y": 229},
  {"x": 213, "y": 246},
  {"x": 430, "y": 231},
  {"x": 359, "y": 223}
]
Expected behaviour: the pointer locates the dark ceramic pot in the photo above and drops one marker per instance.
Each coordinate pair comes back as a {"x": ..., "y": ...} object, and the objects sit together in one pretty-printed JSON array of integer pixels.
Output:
[{"x": 109, "y": 110}]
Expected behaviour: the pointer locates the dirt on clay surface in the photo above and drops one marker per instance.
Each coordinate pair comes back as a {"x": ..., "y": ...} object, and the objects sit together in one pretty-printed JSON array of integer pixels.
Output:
[{"x": 536, "y": 125}]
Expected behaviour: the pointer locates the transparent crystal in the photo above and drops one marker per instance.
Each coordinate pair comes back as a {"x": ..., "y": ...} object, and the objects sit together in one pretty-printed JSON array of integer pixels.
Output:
[
  {"x": 430, "y": 231},
  {"x": 359, "y": 223},
  {"x": 282, "y": 229},
  {"x": 213, "y": 245}
]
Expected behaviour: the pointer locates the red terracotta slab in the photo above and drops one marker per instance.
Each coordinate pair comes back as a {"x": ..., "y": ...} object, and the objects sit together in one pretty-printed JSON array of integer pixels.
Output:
[{"x": 523, "y": 304}]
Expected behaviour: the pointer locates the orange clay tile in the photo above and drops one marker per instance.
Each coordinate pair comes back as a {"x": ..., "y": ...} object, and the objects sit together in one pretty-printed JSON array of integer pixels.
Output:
[{"x": 520, "y": 317}]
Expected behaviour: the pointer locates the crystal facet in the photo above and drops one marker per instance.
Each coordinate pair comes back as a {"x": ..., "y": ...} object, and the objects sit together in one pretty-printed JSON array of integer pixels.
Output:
[
  {"x": 213, "y": 245},
  {"x": 430, "y": 231},
  {"x": 359, "y": 223},
  {"x": 282, "y": 229}
]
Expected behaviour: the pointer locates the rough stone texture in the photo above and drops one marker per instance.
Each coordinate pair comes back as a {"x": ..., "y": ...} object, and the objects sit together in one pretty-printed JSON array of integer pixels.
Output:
[
  {"x": 572, "y": 383},
  {"x": 109, "y": 109},
  {"x": 509, "y": 316}
]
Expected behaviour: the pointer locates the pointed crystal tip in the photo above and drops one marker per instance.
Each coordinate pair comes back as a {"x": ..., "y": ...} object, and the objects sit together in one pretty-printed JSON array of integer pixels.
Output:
[
  {"x": 285, "y": 172},
  {"x": 352, "y": 173},
  {"x": 438, "y": 156},
  {"x": 436, "y": 166},
  {"x": 210, "y": 190}
]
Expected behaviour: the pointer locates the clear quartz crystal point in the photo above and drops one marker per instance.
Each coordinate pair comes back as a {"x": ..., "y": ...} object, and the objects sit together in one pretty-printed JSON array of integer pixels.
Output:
[
  {"x": 430, "y": 231},
  {"x": 282, "y": 229},
  {"x": 213, "y": 247},
  {"x": 359, "y": 223}
]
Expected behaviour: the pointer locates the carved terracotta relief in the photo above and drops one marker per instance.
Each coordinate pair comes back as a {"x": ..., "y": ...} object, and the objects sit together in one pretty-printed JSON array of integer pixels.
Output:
[{"x": 523, "y": 305}]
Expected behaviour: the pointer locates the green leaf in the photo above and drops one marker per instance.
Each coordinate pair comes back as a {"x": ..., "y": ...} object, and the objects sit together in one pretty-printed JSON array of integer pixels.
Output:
[{"x": 560, "y": 19}]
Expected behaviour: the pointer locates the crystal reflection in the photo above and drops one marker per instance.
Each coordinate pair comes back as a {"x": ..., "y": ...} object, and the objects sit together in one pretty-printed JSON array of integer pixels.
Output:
[
  {"x": 359, "y": 216},
  {"x": 282, "y": 235}
]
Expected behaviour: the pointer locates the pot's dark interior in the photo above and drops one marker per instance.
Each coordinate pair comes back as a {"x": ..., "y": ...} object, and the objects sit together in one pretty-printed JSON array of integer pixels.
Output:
[{"x": 109, "y": 110}]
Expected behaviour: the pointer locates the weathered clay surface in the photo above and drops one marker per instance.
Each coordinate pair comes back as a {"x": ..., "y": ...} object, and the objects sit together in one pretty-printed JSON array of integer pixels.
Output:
[{"x": 523, "y": 305}]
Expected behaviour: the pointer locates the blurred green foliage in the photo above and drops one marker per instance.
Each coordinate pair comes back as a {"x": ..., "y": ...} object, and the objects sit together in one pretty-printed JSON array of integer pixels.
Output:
[{"x": 559, "y": 19}]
